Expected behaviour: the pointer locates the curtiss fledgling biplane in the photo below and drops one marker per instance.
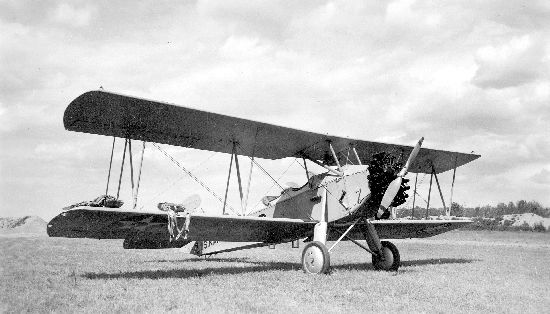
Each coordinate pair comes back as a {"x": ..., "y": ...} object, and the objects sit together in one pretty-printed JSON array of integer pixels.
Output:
[{"x": 344, "y": 203}]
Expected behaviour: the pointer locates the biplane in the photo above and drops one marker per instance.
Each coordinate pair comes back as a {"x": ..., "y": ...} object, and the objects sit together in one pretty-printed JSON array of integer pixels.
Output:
[{"x": 336, "y": 205}]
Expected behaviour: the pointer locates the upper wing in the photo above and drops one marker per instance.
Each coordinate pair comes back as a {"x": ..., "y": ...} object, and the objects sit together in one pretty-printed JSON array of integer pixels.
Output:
[
  {"x": 109, "y": 223},
  {"x": 401, "y": 229},
  {"x": 104, "y": 113}
]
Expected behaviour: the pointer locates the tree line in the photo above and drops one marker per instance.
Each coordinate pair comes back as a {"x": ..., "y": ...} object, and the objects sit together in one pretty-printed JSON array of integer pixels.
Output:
[{"x": 487, "y": 211}]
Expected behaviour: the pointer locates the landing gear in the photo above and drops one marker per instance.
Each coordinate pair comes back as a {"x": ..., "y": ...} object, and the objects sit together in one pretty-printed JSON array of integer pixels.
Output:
[
  {"x": 390, "y": 261},
  {"x": 385, "y": 255},
  {"x": 315, "y": 258}
]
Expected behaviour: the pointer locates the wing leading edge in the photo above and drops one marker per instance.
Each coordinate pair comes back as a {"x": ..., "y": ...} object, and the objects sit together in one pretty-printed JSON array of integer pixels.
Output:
[{"x": 105, "y": 113}]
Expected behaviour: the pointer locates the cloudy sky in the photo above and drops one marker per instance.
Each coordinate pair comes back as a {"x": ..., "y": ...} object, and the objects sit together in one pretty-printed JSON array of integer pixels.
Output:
[{"x": 468, "y": 76}]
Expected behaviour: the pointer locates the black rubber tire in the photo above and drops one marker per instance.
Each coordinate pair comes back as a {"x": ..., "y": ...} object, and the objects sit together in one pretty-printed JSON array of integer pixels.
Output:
[
  {"x": 391, "y": 263},
  {"x": 315, "y": 258}
]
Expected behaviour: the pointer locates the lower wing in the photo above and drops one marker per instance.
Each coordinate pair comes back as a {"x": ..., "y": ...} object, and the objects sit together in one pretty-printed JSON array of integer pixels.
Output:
[
  {"x": 106, "y": 223},
  {"x": 152, "y": 226},
  {"x": 399, "y": 229},
  {"x": 109, "y": 223}
]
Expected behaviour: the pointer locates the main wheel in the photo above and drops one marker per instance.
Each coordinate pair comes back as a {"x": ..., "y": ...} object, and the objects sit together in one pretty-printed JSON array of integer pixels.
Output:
[
  {"x": 391, "y": 260},
  {"x": 315, "y": 258}
]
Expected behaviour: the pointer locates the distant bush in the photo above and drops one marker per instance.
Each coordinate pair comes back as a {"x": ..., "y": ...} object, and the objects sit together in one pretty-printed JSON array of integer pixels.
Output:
[
  {"x": 487, "y": 217},
  {"x": 480, "y": 223},
  {"x": 489, "y": 211},
  {"x": 457, "y": 209},
  {"x": 520, "y": 207},
  {"x": 525, "y": 227},
  {"x": 495, "y": 224},
  {"x": 539, "y": 227}
]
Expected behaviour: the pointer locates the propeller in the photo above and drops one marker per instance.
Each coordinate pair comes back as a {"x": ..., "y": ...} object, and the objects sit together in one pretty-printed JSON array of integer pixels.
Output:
[{"x": 395, "y": 185}]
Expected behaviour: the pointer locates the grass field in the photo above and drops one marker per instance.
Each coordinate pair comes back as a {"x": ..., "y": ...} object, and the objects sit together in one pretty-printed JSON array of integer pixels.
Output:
[{"x": 461, "y": 271}]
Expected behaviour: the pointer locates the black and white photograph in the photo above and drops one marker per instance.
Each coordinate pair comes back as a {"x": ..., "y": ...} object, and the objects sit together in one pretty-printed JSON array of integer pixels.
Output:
[{"x": 209, "y": 156}]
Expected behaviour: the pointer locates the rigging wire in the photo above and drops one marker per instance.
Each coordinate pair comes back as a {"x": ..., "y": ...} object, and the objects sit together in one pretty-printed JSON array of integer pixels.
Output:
[
  {"x": 189, "y": 173},
  {"x": 280, "y": 176},
  {"x": 276, "y": 181},
  {"x": 171, "y": 184},
  {"x": 348, "y": 161},
  {"x": 321, "y": 186},
  {"x": 263, "y": 170},
  {"x": 420, "y": 183}
]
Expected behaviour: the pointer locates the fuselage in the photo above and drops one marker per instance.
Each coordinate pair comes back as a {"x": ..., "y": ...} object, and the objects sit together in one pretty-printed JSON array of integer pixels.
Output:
[{"x": 344, "y": 193}]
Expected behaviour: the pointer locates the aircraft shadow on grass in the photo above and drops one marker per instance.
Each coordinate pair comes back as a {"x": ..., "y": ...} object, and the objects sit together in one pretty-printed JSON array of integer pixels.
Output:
[
  {"x": 420, "y": 262},
  {"x": 257, "y": 267},
  {"x": 194, "y": 273},
  {"x": 210, "y": 259}
]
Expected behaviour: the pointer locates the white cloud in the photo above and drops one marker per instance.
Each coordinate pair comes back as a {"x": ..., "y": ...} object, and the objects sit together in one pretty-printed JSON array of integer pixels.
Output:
[
  {"x": 517, "y": 62},
  {"x": 400, "y": 11},
  {"x": 72, "y": 16},
  {"x": 243, "y": 48},
  {"x": 542, "y": 177},
  {"x": 57, "y": 151}
]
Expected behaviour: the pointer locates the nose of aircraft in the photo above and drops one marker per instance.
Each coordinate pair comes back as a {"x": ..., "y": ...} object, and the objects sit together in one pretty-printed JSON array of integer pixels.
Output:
[{"x": 395, "y": 185}]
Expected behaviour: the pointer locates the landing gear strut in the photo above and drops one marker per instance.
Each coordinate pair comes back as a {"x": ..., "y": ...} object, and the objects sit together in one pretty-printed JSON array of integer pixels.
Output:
[
  {"x": 385, "y": 255},
  {"x": 316, "y": 256}
]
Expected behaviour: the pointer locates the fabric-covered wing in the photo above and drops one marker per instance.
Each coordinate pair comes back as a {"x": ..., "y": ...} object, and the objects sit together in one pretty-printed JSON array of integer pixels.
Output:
[
  {"x": 108, "y": 223},
  {"x": 248, "y": 229},
  {"x": 105, "y": 113},
  {"x": 401, "y": 229}
]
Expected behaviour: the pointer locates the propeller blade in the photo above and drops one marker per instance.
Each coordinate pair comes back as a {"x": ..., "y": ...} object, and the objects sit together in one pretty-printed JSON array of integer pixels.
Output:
[
  {"x": 395, "y": 185},
  {"x": 390, "y": 193},
  {"x": 412, "y": 156}
]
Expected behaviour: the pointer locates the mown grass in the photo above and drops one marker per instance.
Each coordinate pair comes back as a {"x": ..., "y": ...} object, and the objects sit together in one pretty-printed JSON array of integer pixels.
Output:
[{"x": 461, "y": 271}]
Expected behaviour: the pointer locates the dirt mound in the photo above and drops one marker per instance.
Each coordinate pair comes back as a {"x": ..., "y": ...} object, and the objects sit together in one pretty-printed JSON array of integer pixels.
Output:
[
  {"x": 518, "y": 220},
  {"x": 26, "y": 225}
]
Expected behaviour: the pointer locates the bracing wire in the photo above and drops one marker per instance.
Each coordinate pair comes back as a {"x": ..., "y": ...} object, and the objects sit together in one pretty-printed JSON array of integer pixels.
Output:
[
  {"x": 420, "y": 183},
  {"x": 189, "y": 173},
  {"x": 263, "y": 170},
  {"x": 328, "y": 192},
  {"x": 348, "y": 161},
  {"x": 275, "y": 181},
  {"x": 173, "y": 182}
]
